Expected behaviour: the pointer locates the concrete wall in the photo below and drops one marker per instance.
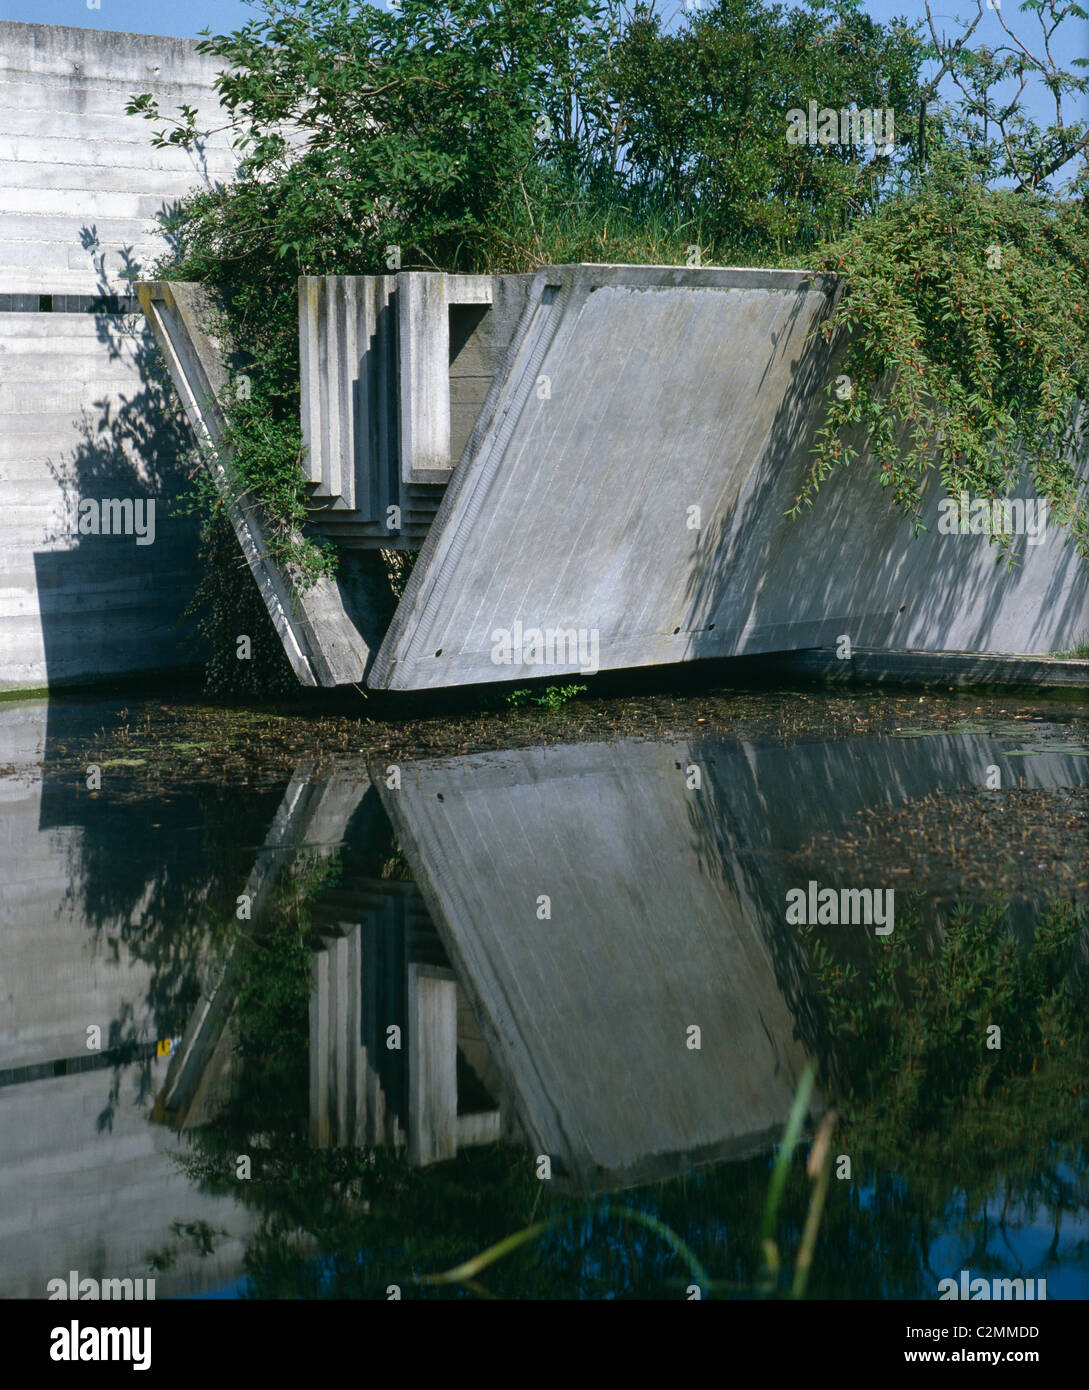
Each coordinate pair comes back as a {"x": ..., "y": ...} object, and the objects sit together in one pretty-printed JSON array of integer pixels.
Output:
[
  {"x": 81, "y": 414},
  {"x": 629, "y": 479}
]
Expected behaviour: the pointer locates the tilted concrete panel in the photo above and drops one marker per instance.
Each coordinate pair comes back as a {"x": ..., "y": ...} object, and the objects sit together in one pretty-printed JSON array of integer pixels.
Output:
[
  {"x": 622, "y": 502},
  {"x": 630, "y": 396},
  {"x": 329, "y": 629}
]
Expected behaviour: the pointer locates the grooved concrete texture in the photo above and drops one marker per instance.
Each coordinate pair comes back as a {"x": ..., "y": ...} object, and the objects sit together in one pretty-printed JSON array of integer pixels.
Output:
[
  {"x": 625, "y": 490},
  {"x": 394, "y": 369},
  {"x": 80, "y": 182},
  {"x": 82, "y": 412}
]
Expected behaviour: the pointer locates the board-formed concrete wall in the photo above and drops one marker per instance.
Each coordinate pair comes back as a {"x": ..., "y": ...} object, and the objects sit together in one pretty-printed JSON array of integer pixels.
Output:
[{"x": 82, "y": 416}]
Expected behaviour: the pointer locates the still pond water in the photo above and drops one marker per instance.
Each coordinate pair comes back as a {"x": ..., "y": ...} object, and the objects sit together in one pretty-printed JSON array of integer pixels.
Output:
[{"x": 336, "y": 1029}]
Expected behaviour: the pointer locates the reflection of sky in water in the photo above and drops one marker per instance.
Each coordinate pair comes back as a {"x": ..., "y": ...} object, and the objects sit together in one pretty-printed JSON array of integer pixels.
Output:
[{"x": 667, "y": 909}]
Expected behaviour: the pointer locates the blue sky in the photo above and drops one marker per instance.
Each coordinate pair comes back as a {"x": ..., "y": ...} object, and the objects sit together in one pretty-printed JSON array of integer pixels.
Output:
[{"x": 222, "y": 16}]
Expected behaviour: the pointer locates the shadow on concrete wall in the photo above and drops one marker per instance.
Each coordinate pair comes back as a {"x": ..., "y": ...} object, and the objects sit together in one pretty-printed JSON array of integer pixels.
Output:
[
  {"x": 854, "y": 552},
  {"x": 108, "y": 603}
]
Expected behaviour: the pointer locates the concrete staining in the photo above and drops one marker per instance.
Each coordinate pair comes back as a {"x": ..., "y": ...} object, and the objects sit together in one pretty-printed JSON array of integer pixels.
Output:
[{"x": 82, "y": 414}]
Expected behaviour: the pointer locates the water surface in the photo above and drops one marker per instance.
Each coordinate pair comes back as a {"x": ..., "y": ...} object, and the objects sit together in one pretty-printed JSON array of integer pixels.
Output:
[{"x": 358, "y": 1023}]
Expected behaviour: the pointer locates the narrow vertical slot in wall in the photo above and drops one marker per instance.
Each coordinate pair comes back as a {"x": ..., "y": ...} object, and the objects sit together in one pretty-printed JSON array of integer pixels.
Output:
[{"x": 474, "y": 358}]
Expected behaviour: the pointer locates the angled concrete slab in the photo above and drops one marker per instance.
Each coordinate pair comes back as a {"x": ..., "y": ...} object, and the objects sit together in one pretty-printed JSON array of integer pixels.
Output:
[
  {"x": 616, "y": 450},
  {"x": 329, "y": 630},
  {"x": 633, "y": 408},
  {"x": 623, "y": 502}
]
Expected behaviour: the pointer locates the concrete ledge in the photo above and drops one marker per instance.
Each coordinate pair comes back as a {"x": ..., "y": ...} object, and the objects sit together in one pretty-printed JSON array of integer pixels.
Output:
[{"x": 937, "y": 668}]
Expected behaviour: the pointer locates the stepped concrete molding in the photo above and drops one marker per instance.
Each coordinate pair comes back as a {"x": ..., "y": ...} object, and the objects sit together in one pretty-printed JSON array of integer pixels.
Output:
[
  {"x": 394, "y": 369},
  {"x": 377, "y": 962},
  {"x": 454, "y": 332}
]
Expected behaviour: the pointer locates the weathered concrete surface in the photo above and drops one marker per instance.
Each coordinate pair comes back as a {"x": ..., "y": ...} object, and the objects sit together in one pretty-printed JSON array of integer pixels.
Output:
[
  {"x": 87, "y": 1181},
  {"x": 622, "y": 494},
  {"x": 628, "y": 480},
  {"x": 81, "y": 415},
  {"x": 329, "y": 628}
]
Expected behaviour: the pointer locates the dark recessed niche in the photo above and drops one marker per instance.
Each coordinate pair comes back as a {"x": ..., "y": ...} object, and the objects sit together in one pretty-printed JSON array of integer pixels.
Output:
[
  {"x": 474, "y": 360},
  {"x": 69, "y": 304}
]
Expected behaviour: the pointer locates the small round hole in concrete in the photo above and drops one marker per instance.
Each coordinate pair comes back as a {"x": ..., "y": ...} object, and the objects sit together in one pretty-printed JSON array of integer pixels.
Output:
[
  {"x": 439, "y": 652},
  {"x": 675, "y": 631},
  {"x": 440, "y": 796}
]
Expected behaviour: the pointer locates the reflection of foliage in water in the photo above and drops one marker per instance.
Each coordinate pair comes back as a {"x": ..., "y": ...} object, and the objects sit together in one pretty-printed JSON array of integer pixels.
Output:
[
  {"x": 952, "y": 1124},
  {"x": 911, "y": 1032},
  {"x": 152, "y": 888},
  {"x": 155, "y": 888},
  {"x": 271, "y": 1013}
]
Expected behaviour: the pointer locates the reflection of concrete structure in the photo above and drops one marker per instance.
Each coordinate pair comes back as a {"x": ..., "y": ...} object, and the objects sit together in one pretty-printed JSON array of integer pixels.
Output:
[
  {"x": 377, "y": 965},
  {"x": 568, "y": 888},
  {"x": 417, "y": 1088},
  {"x": 577, "y": 912},
  {"x": 599, "y": 900},
  {"x": 87, "y": 1182}
]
